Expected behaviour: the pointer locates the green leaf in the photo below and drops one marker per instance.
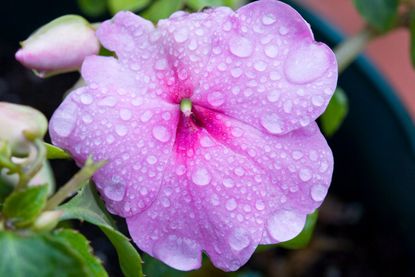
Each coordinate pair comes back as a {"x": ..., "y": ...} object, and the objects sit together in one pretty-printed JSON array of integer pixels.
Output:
[
  {"x": 22, "y": 207},
  {"x": 37, "y": 256},
  {"x": 380, "y": 14},
  {"x": 162, "y": 9},
  {"x": 335, "y": 113},
  {"x": 126, "y": 5},
  {"x": 77, "y": 242},
  {"x": 199, "y": 4},
  {"x": 5, "y": 190},
  {"x": 304, "y": 238},
  {"x": 412, "y": 31},
  {"x": 89, "y": 207},
  {"x": 93, "y": 8},
  {"x": 54, "y": 152}
]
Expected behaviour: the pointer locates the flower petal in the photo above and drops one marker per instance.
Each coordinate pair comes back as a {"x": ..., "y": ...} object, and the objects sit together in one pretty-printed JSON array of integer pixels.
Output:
[
  {"x": 236, "y": 187},
  {"x": 133, "y": 133},
  {"x": 267, "y": 70},
  {"x": 299, "y": 166}
]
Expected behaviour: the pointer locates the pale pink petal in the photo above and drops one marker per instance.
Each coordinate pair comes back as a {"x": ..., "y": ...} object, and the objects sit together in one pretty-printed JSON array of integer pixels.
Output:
[
  {"x": 133, "y": 133},
  {"x": 267, "y": 69},
  {"x": 129, "y": 36},
  {"x": 236, "y": 187}
]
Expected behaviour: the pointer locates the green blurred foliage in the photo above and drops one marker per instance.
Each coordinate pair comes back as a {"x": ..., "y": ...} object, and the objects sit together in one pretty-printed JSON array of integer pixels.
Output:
[
  {"x": 335, "y": 113},
  {"x": 380, "y": 14},
  {"x": 129, "y": 5}
]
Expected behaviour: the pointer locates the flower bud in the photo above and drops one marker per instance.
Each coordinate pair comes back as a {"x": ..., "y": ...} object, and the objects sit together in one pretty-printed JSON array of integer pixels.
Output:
[
  {"x": 47, "y": 220},
  {"x": 19, "y": 125},
  {"x": 59, "y": 46}
]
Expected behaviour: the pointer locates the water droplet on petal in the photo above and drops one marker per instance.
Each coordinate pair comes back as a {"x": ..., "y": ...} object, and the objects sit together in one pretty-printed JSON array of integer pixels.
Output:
[
  {"x": 86, "y": 99},
  {"x": 305, "y": 174},
  {"x": 227, "y": 182},
  {"x": 318, "y": 192},
  {"x": 151, "y": 159},
  {"x": 215, "y": 98},
  {"x": 165, "y": 202},
  {"x": 180, "y": 35},
  {"x": 180, "y": 253},
  {"x": 109, "y": 101},
  {"x": 268, "y": 19},
  {"x": 180, "y": 170},
  {"x": 306, "y": 63},
  {"x": 241, "y": 47},
  {"x": 121, "y": 130},
  {"x": 259, "y": 205},
  {"x": 161, "y": 133},
  {"x": 205, "y": 141},
  {"x": 273, "y": 95},
  {"x": 285, "y": 225},
  {"x": 239, "y": 240},
  {"x": 317, "y": 100},
  {"x": 271, "y": 51},
  {"x": 161, "y": 64},
  {"x": 231, "y": 204},
  {"x": 201, "y": 177},
  {"x": 125, "y": 114},
  {"x": 283, "y": 30},
  {"x": 146, "y": 116},
  {"x": 64, "y": 119},
  {"x": 260, "y": 66},
  {"x": 272, "y": 123},
  {"x": 115, "y": 189}
]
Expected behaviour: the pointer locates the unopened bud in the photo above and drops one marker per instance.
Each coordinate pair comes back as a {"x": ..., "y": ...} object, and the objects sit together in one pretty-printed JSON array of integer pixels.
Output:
[
  {"x": 59, "y": 46},
  {"x": 19, "y": 125},
  {"x": 47, "y": 220}
]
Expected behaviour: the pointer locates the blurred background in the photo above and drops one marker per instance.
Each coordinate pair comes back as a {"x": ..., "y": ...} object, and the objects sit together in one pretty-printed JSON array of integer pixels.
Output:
[{"x": 366, "y": 225}]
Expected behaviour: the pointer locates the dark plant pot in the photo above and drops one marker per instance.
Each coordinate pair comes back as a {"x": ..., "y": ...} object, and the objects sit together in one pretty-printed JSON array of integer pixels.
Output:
[{"x": 375, "y": 148}]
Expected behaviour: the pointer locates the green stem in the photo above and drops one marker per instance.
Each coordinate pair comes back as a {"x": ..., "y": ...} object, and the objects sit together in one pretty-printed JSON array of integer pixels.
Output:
[
  {"x": 348, "y": 50},
  {"x": 33, "y": 168},
  {"x": 74, "y": 184}
]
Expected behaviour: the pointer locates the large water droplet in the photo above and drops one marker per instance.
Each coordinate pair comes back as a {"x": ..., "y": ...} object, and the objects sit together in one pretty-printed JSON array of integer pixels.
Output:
[
  {"x": 305, "y": 174},
  {"x": 272, "y": 123},
  {"x": 151, "y": 159},
  {"x": 318, "y": 192},
  {"x": 259, "y": 205},
  {"x": 273, "y": 95},
  {"x": 241, "y": 47},
  {"x": 201, "y": 177},
  {"x": 181, "y": 35},
  {"x": 125, "y": 114},
  {"x": 64, "y": 119},
  {"x": 86, "y": 99},
  {"x": 307, "y": 63},
  {"x": 161, "y": 133},
  {"x": 260, "y": 66},
  {"x": 228, "y": 182},
  {"x": 285, "y": 225},
  {"x": 121, "y": 130},
  {"x": 146, "y": 116},
  {"x": 108, "y": 101},
  {"x": 271, "y": 51},
  {"x": 268, "y": 19},
  {"x": 215, "y": 98},
  {"x": 239, "y": 240},
  {"x": 231, "y": 204},
  {"x": 317, "y": 100},
  {"x": 180, "y": 253},
  {"x": 115, "y": 189}
]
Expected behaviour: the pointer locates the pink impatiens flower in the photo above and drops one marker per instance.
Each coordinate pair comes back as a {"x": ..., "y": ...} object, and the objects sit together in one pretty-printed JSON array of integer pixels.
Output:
[{"x": 207, "y": 123}]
